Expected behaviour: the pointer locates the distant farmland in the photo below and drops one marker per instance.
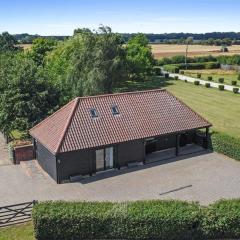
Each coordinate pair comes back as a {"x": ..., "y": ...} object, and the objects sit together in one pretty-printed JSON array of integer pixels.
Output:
[{"x": 169, "y": 50}]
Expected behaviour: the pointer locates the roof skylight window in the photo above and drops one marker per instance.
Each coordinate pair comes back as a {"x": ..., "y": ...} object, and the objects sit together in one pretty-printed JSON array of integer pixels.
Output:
[
  {"x": 115, "y": 110},
  {"x": 93, "y": 112}
]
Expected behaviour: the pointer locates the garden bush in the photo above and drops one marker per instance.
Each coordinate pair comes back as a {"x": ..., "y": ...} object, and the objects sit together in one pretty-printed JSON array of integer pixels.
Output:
[
  {"x": 221, "y": 87},
  {"x": 234, "y": 83},
  {"x": 175, "y": 68},
  {"x": 171, "y": 68},
  {"x": 166, "y": 75},
  {"x": 239, "y": 77},
  {"x": 199, "y": 75},
  {"x": 207, "y": 85},
  {"x": 182, "y": 72},
  {"x": 181, "y": 59},
  {"x": 176, "y": 77},
  {"x": 210, "y": 78},
  {"x": 221, "y": 80},
  {"x": 236, "y": 90},
  {"x": 157, "y": 71},
  {"x": 196, "y": 82},
  {"x": 222, "y": 220},
  {"x": 226, "y": 145},
  {"x": 128, "y": 220}
]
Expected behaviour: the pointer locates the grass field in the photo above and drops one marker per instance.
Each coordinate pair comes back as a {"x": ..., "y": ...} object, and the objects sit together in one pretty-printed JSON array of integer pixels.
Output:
[
  {"x": 169, "y": 50},
  {"x": 18, "y": 232},
  {"x": 221, "y": 108},
  {"x": 228, "y": 76}
]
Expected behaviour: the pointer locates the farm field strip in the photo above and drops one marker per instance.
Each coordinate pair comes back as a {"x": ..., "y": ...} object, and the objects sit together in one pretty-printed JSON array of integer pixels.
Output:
[{"x": 169, "y": 50}]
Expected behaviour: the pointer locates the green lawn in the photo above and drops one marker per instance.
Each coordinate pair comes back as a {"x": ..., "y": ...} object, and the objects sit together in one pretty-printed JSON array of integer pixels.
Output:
[
  {"x": 221, "y": 108},
  {"x": 18, "y": 232},
  {"x": 228, "y": 76}
]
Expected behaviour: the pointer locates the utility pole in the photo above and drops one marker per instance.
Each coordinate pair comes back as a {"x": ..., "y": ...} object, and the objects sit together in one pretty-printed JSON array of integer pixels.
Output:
[{"x": 188, "y": 41}]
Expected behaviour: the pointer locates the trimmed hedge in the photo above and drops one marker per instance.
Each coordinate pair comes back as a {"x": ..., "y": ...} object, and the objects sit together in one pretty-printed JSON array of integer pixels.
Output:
[
  {"x": 171, "y": 68},
  {"x": 221, "y": 87},
  {"x": 199, "y": 75},
  {"x": 157, "y": 71},
  {"x": 221, "y": 80},
  {"x": 226, "y": 145},
  {"x": 207, "y": 85},
  {"x": 196, "y": 82},
  {"x": 128, "y": 220},
  {"x": 166, "y": 75},
  {"x": 210, "y": 78},
  {"x": 157, "y": 219},
  {"x": 175, "y": 68},
  {"x": 235, "y": 90},
  {"x": 234, "y": 83},
  {"x": 222, "y": 220}
]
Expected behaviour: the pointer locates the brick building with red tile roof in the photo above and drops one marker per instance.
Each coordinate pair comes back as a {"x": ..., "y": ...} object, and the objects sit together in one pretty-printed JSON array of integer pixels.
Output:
[{"x": 95, "y": 133}]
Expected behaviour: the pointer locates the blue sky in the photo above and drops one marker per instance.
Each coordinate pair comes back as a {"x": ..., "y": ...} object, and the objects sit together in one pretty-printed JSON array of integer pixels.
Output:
[{"x": 61, "y": 17}]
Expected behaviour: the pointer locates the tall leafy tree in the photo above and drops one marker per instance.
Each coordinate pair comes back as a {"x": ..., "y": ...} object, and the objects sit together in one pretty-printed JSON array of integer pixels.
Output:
[
  {"x": 26, "y": 97},
  {"x": 8, "y": 43},
  {"x": 94, "y": 62},
  {"x": 40, "y": 48},
  {"x": 139, "y": 57}
]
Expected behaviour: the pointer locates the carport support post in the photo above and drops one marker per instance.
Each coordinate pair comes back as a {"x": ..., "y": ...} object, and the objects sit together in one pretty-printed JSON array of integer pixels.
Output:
[
  {"x": 177, "y": 144},
  {"x": 207, "y": 137}
]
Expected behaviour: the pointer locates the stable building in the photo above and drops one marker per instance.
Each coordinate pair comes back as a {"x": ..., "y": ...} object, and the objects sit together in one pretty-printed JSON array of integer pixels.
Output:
[{"x": 97, "y": 133}]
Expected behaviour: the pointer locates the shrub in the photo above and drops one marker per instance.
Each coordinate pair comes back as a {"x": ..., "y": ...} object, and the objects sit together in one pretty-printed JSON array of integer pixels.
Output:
[
  {"x": 157, "y": 71},
  {"x": 236, "y": 90},
  {"x": 210, "y": 78},
  {"x": 176, "y": 77},
  {"x": 207, "y": 85},
  {"x": 226, "y": 145},
  {"x": 185, "y": 80},
  {"x": 196, "y": 82},
  {"x": 199, "y": 75},
  {"x": 166, "y": 75},
  {"x": 182, "y": 72},
  {"x": 221, "y": 87},
  {"x": 222, "y": 220},
  {"x": 173, "y": 68},
  {"x": 239, "y": 77},
  {"x": 234, "y": 83},
  {"x": 221, "y": 80},
  {"x": 211, "y": 65},
  {"x": 106, "y": 220}
]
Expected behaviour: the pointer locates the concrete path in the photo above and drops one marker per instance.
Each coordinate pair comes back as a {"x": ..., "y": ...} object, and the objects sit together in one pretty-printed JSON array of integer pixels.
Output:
[
  {"x": 204, "y": 177},
  {"x": 202, "y": 82},
  {"x": 4, "y": 159}
]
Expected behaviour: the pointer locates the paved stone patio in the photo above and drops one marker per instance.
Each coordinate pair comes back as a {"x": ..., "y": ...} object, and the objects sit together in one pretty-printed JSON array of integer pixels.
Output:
[
  {"x": 4, "y": 159},
  {"x": 204, "y": 177}
]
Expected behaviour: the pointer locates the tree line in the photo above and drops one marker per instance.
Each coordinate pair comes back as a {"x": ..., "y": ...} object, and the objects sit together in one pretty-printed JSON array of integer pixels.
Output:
[
  {"x": 36, "y": 82},
  {"x": 214, "y": 38}
]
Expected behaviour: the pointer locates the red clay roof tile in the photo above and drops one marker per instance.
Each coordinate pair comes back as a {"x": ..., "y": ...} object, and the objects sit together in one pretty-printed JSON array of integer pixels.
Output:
[{"x": 142, "y": 114}]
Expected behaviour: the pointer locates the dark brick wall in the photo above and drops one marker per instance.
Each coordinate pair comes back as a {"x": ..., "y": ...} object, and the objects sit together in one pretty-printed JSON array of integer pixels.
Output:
[{"x": 23, "y": 153}]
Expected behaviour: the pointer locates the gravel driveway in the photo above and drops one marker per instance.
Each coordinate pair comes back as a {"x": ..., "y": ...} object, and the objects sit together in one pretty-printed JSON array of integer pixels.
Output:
[{"x": 204, "y": 177}]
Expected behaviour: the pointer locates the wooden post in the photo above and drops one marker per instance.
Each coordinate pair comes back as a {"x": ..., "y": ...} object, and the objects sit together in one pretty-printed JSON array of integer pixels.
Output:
[
  {"x": 207, "y": 137},
  {"x": 177, "y": 144}
]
